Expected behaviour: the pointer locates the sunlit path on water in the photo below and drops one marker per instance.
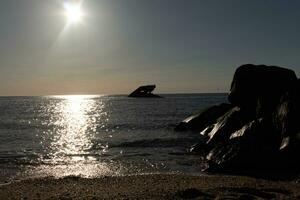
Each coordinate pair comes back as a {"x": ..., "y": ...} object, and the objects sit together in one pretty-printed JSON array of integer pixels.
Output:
[
  {"x": 73, "y": 138},
  {"x": 75, "y": 119}
]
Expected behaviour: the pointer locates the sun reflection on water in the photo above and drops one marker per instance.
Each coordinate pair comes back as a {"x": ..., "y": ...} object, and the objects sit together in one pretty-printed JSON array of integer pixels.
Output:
[
  {"x": 72, "y": 138},
  {"x": 74, "y": 119}
]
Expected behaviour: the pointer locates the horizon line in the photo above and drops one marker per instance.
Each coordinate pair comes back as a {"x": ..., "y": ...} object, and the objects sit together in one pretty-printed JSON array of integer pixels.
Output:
[{"x": 53, "y": 95}]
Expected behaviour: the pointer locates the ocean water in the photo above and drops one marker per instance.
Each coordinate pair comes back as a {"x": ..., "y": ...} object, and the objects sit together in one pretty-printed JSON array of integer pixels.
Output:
[{"x": 92, "y": 136}]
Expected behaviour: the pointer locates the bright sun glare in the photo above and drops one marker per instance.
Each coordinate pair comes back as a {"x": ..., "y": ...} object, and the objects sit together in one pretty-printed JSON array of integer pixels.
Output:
[{"x": 73, "y": 12}]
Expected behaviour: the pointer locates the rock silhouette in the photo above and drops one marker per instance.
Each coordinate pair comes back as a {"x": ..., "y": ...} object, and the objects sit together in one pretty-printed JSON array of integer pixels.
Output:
[
  {"x": 260, "y": 87},
  {"x": 259, "y": 129},
  {"x": 144, "y": 91}
]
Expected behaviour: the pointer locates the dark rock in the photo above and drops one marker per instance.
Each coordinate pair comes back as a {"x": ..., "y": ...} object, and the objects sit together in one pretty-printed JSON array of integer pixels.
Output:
[
  {"x": 221, "y": 130},
  {"x": 200, "y": 121},
  {"x": 254, "y": 146},
  {"x": 225, "y": 157},
  {"x": 144, "y": 91},
  {"x": 289, "y": 153},
  {"x": 286, "y": 117},
  {"x": 231, "y": 121},
  {"x": 259, "y": 87},
  {"x": 200, "y": 148},
  {"x": 259, "y": 131},
  {"x": 262, "y": 129}
]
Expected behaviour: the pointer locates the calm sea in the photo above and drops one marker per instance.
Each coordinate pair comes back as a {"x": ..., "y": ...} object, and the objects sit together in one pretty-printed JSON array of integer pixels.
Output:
[{"x": 92, "y": 136}]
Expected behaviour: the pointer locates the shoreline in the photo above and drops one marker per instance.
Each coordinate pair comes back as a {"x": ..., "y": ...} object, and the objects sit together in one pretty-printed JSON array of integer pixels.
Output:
[{"x": 151, "y": 186}]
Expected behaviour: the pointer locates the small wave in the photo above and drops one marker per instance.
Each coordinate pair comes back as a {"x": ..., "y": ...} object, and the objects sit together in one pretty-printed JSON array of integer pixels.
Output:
[
  {"x": 163, "y": 143},
  {"x": 135, "y": 126},
  {"x": 137, "y": 154}
]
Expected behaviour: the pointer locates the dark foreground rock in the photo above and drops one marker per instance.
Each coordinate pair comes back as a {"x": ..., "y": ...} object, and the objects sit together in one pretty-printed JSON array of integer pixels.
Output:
[
  {"x": 259, "y": 130},
  {"x": 260, "y": 87},
  {"x": 144, "y": 91},
  {"x": 253, "y": 146},
  {"x": 231, "y": 121},
  {"x": 200, "y": 121}
]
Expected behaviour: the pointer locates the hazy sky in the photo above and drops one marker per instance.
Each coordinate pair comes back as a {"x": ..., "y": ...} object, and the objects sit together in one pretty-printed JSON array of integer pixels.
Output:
[{"x": 180, "y": 45}]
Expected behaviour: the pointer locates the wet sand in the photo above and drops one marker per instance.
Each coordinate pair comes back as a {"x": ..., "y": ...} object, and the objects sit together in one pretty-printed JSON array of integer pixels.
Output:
[{"x": 151, "y": 186}]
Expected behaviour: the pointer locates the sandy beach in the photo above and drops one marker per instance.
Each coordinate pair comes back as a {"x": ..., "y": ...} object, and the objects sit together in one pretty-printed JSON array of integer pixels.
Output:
[{"x": 151, "y": 186}]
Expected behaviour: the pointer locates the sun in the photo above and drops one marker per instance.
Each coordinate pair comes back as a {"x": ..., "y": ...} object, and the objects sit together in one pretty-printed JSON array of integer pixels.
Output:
[{"x": 73, "y": 12}]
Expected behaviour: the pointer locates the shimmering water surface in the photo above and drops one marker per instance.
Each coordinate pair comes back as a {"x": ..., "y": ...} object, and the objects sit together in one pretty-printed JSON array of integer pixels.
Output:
[{"x": 91, "y": 136}]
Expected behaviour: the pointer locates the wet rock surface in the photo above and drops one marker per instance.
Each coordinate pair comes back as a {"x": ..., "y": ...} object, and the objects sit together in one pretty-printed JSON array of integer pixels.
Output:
[
  {"x": 200, "y": 121},
  {"x": 259, "y": 129}
]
